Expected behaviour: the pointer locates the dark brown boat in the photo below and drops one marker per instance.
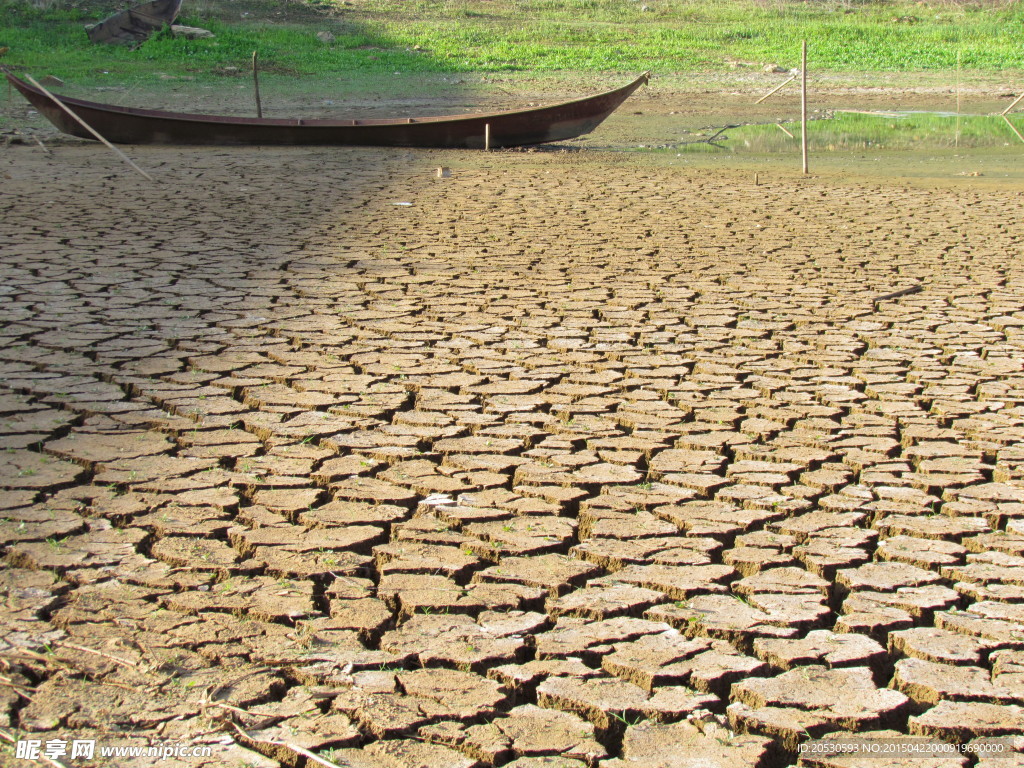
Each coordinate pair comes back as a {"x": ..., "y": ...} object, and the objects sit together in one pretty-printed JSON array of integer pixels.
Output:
[
  {"x": 126, "y": 125},
  {"x": 136, "y": 24}
]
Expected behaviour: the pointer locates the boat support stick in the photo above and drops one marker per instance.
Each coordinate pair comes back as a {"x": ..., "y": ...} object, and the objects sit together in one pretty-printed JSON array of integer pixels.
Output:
[
  {"x": 88, "y": 127},
  {"x": 256, "y": 83}
]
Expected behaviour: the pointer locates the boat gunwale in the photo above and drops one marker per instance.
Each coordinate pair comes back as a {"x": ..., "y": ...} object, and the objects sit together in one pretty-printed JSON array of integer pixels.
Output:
[{"x": 324, "y": 122}]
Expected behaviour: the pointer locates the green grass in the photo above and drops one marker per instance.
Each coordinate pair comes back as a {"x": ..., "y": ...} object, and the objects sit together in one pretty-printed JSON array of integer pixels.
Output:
[
  {"x": 409, "y": 36},
  {"x": 686, "y": 35},
  {"x": 54, "y": 42}
]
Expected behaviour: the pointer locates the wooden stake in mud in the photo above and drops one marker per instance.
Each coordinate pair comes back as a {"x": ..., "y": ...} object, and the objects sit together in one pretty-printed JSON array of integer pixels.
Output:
[
  {"x": 776, "y": 89},
  {"x": 803, "y": 104},
  {"x": 1003, "y": 113},
  {"x": 487, "y": 137},
  {"x": 956, "y": 141},
  {"x": 89, "y": 128},
  {"x": 256, "y": 83}
]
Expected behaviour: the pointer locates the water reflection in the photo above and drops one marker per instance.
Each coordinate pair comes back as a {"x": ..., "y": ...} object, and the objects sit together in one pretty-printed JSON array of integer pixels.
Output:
[{"x": 858, "y": 131}]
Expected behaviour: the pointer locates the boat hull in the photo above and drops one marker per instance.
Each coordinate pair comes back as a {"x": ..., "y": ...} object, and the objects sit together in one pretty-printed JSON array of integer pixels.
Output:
[{"x": 127, "y": 125}]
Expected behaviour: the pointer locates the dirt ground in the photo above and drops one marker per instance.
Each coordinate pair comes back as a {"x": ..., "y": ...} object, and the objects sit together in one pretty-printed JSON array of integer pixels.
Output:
[{"x": 568, "y": 459}]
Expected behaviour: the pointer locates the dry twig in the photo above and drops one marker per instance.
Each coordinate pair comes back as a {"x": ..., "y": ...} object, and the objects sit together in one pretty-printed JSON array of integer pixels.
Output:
[
  {"x": 115, "y": 659},
  {"x": 897, "y": 294},
  {"x": 18, "y": 688},
  {"x": 710, "y": 139},
  {"x": 293, "y": 747}
]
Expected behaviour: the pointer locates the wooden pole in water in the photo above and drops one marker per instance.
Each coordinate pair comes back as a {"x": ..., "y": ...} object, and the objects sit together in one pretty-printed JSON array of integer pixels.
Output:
[
  {"x": 1004, "y": 112},
  {"x": 88, "y": 127},
  {"x": 803, "y": 104},
  {"x": 956, "y": 141},
  {"x": 487, "y": 137},
  {"x": 256, "y": 83},
  {"x": 1013, "y": 127}
]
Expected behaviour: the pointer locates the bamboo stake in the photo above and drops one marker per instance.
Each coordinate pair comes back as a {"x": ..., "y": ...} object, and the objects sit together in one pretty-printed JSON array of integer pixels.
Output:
[
  {"x": 487, "y": 137},
  {"x": 89, "y": 128},
  {"x": 1013, "y": 127},
  {"x": 956, "y": 141},
  {"x": 776, "y": 89},
  {"x": 256, "y": 83},
  {"x": 781, "y": 128},
  {"x": 1004, "y": 112},
  {"x": 803, "y": 104}
]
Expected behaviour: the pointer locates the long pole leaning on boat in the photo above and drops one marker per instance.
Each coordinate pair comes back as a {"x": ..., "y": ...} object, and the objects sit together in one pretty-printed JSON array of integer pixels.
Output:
[{"x": 88, "y": 127}]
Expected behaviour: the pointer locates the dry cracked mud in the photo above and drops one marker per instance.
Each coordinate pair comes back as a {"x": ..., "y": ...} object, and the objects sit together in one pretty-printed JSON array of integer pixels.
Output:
[{"x": 563, "y": 460}]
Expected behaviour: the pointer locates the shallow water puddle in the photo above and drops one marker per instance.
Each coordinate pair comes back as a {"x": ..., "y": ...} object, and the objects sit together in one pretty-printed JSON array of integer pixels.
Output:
[
  {"x": 890, "y": 144},
  {"x": 902, "y": 131},
  {"x": 856, "y": 131}
]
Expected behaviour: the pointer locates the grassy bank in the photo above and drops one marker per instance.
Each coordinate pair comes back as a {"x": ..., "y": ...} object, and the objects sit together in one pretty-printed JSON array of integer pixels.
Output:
[{"x": 384, "y": 36}]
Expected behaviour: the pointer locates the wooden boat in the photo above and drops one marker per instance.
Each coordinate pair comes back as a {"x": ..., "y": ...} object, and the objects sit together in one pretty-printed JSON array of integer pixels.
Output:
[
  {"x": 136, "y": 24},
  {"x": 505, "y": 129}
]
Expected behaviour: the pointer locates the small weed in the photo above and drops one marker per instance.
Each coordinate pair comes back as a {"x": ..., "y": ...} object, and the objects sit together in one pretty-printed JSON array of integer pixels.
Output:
[{"x": 625, "y": 719}]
